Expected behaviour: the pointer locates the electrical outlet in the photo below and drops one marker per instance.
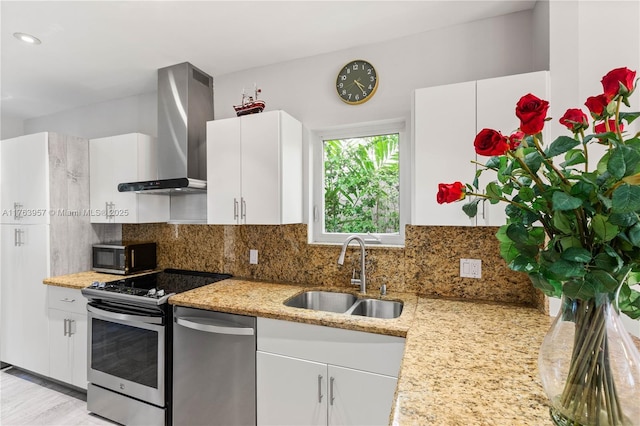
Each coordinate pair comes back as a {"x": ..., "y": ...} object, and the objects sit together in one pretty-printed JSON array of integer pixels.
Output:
[
  {"x": 253, "y": 257},
  {"x": 471, "y": 268}
]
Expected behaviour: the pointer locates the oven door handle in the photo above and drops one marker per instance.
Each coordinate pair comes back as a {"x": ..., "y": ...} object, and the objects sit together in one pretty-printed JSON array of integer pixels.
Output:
[
  {"x": 124, "y": 317},
  {"x": 212, "y": 326}
]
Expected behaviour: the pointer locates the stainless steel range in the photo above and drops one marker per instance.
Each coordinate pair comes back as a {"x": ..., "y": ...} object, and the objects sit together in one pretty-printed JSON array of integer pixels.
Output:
[{"x": 129, "y": 344}]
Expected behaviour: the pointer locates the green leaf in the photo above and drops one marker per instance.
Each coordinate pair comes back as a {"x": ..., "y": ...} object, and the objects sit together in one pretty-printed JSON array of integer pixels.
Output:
[
  {"x": 562, "y": 223},
  {"x": 533, "y": 160},
  {"x": 523, "y": 264},
  {"x": 623, "y": 219},
  {"x": 493, "y": 163},
  {"x": 508, "y": 251},
  {"x": 501, "y": 235},
  {"x": 565, "y": 269},
  {"x": 603, "y": 229},
  {"x": 573, "y": 157},
  {"x": 550, "y": 287},
  {"x": 634, "y": 235},
  {"x": 563, "y": 201},
  {"x": 629, "y": 116},
  {"x": 493, "y": 190},
  {"x": 580, "y": 289},
  {"x": 517, "y": 233},
  {"x": 625, "y": 199},
  {"x": 471, "y": 208},
  {"x": 623, "y": 161},
  {"x": 561, "y": 145},
  {"x": 602, "y": 281},
  {"x": 605, "y": 262},
  {"x": 568, "y": 242},
  {"x": 577, "y": 254},
  {"x": 526, "y": 194}
]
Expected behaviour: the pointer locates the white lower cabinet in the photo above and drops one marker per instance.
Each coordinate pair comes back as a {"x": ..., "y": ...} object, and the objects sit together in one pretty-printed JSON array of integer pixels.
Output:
[
  {"x": 68, "y": 336},
  {"x": 23, "y": 316},
  {"x": 316, "y": 375},
  {"x": 290, "y": 391}
]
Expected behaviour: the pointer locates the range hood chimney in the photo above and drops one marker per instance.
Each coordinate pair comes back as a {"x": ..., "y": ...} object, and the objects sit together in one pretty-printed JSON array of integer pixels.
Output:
[{"x": 185, "y": 104}]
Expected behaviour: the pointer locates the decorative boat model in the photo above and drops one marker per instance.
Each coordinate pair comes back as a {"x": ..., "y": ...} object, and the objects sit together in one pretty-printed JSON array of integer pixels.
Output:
[{"x": 250, "y": 104}]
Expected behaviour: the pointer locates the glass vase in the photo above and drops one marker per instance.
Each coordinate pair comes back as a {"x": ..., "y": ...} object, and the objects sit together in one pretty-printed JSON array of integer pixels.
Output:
[{"x": 589, "y": 366}]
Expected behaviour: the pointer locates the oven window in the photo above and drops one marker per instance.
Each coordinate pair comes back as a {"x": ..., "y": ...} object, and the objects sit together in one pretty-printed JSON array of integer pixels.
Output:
[{"x": 130, "y": 353}]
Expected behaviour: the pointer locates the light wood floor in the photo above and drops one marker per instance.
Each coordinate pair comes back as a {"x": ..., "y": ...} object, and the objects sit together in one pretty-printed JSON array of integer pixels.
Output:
[{"x": 26, "y": 399}]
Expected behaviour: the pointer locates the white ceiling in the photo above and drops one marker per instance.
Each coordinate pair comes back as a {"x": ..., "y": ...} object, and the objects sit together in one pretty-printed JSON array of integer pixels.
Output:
[{"x": 93, "y": 51}]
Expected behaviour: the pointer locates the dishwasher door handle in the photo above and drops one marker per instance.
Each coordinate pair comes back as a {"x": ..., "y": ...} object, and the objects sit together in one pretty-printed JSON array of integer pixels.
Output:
[{"x": 213, "y": 326}]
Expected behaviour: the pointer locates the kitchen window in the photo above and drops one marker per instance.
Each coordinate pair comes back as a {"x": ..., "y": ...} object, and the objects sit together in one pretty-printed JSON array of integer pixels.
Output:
[{"x": 358, "y": 183}]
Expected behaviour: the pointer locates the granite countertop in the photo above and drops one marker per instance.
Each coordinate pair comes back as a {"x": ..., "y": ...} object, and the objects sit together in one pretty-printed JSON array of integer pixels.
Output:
[
  {"x": 464, "y": 363},
  {"x": 81, "y": 280}
]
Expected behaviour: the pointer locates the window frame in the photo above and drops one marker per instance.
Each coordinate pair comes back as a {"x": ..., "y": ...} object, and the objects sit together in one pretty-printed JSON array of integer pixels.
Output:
[{"x": 316, "y": 218}]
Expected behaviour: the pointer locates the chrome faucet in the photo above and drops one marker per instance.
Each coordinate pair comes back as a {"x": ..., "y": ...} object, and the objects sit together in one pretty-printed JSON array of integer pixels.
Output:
[{"x": 363, "y": 278}]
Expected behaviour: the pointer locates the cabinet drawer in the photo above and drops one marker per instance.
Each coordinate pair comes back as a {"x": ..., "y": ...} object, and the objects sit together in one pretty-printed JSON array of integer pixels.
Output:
[
  {"x": 375, "y": 353},
  {"x": 67, "y": 299}
]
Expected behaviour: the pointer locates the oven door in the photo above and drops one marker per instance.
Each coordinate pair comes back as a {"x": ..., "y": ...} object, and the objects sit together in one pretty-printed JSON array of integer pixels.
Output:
[{"x": 126, "y": 351}]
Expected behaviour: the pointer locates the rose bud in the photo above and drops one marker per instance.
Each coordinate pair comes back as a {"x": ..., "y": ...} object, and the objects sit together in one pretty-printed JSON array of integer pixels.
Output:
[
  {"x": 450, "y": 192},
  {"x": 618, "y": 81},
  {"x": 490, "y": 142},
  {"x": 597, "y": 105},
  {"x": 532, "y": 112},
  {"x": 575, "y": 120},
  {"x": 516, "y": 139}
]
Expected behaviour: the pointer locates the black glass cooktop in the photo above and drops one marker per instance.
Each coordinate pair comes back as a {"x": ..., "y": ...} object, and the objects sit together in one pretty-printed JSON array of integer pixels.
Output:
[{"x": 156, "y": 285}]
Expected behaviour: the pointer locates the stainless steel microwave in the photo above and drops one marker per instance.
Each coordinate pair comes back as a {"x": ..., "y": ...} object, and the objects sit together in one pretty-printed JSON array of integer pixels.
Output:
[{"x": 123, "y": 259}]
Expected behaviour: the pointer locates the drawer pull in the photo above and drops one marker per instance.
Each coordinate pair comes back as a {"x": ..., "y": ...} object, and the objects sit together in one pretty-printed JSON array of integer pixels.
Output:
[{"x": 66, "y": 299}]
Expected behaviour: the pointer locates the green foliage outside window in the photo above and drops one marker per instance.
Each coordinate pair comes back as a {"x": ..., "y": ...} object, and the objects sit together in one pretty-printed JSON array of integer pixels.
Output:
[{"x": 362, "y": 185}]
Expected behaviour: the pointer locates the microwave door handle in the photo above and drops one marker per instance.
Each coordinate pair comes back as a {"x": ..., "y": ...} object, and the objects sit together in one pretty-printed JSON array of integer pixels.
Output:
[
  {"x": 133, "y": 258},
  {"x": 216, "y": 327},
  {"x": 124, "y": 317}
]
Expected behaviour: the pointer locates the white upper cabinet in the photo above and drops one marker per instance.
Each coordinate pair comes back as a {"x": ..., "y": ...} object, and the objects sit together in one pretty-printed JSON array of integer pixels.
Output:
[
  {"x": 24, "y": 171},
  {"x": 254, "y": 170},
  {"x": 118, "y": 159},
  {"x": 446, "y": 122},
  {"x": 445, "y": 127}
]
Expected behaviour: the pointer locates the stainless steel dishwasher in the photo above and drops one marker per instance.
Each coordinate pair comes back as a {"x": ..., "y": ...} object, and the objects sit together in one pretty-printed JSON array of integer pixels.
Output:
[{"x": 214, "y": 368}]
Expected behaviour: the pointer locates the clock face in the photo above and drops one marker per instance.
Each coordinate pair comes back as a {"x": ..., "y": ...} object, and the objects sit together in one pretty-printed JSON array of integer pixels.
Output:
[{"x": 357, "y": 82}]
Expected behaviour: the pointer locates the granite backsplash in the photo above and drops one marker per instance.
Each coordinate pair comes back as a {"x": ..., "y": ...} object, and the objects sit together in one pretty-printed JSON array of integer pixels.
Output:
[{"x": 428, "y": 264}]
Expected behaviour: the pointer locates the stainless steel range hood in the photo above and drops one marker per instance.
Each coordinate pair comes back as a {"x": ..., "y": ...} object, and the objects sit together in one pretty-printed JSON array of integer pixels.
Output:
[{"x": 185, "y": 104}]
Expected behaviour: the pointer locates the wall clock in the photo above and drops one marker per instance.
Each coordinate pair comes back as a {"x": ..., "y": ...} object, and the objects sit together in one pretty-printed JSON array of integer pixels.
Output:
[{"x": 357, "y": 82}]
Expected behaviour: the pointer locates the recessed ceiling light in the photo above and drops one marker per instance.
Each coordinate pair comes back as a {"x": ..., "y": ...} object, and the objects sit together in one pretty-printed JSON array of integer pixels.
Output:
[{"x": 27, "y": 38}]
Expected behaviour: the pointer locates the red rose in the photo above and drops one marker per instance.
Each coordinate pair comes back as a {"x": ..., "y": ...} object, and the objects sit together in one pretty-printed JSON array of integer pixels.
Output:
[
  {"x": 614, "y": 79},
  {"x": 516, "y": 139},
  {"x": 596, "y": 105},
  {"x": 450, "y": 192},
  {"x": 575, "y": 120},
  {"x": 531, "y": 111},
  {"x": 490, "y": 142},
  {"x": 602, "y": 128}
]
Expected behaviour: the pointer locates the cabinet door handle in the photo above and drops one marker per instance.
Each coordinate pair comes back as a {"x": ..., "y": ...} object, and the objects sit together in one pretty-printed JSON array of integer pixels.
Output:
[
  {"x": 72, "y": 327},
  {"x": 331, "y": 397},
  {"x": 17, "y": 237},
  {"x": 133, "y": 258},
  {"x": 320, "y": 389},
  {"x": 17, "y": 211},
  {"x": 66, "y": 327},
  {"x": 109, "y": 207},
  {"x": 235, "y": 209},
  {"x": 243, "y": 209}
]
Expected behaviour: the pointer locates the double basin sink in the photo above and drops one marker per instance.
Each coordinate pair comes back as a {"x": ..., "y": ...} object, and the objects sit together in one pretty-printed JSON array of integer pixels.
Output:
[{"x": 345, "y": 303}]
